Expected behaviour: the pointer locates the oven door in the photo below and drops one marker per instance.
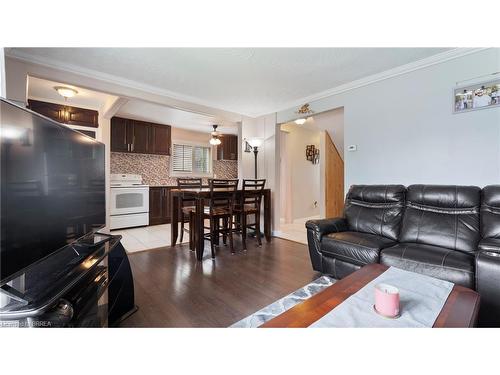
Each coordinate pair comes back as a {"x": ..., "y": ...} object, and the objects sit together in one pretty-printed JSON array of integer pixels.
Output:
[{"x": 129, "y": 200}]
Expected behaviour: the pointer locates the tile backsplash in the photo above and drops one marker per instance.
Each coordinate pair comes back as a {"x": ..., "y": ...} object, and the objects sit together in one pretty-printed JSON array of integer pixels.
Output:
[
  {"x": 225, "y": 168},
  {"x": 155, "y": 169}
]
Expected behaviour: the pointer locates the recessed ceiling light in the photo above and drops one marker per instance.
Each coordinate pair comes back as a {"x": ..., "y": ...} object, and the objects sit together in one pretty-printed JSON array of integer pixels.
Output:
[{"x": 66, "y": 92}]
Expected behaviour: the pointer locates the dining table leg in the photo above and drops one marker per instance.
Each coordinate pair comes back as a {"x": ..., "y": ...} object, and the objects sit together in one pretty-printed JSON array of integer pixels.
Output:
[
  {"x": 174, "y": 221},
  {"x": 267, "y": 215},
  {"x": 200, "y": 231}
]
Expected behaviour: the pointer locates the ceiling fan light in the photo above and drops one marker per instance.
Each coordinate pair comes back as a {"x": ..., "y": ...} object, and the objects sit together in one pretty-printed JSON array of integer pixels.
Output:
[{"x": 214, "y": 141}]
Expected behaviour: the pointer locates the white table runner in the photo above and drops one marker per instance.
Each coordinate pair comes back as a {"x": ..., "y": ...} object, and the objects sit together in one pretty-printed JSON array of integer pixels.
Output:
[{"x": 422, "y": 298}]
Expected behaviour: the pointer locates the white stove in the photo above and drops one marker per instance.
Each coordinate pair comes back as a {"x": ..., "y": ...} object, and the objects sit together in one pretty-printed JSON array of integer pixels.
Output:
[{"x": 129, "y": 201}]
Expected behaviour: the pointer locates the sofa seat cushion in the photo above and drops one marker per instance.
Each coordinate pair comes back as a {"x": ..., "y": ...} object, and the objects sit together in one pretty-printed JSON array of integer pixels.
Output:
[
  {"x": 439, "y": 262},
  {"x": 354, "y": 247}
]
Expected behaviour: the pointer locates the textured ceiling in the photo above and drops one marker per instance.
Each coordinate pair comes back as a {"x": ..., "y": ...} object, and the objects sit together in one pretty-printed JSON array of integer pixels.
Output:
[
  {"x": 42, "y": 89},
  {"x": 140, "y": 110},
  {"x": 248, "y": 81}
]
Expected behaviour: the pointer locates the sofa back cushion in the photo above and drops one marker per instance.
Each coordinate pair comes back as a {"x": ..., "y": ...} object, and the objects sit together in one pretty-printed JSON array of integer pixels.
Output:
[
  {"x": 445, "y": 216},
  {"x": 490, "y": 212},
  {"x": 375, "y": 209}
]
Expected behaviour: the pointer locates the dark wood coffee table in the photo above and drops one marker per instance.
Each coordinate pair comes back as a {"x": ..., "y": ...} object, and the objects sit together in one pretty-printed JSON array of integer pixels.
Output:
[{"x": 460, "y": 310}]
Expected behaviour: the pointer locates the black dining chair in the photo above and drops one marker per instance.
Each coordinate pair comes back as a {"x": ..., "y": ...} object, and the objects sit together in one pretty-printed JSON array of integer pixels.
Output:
[
  {"x": 187, "y": 207},
  {"x": 249, "y": 205},
  {"x": 220, "y": 208}
]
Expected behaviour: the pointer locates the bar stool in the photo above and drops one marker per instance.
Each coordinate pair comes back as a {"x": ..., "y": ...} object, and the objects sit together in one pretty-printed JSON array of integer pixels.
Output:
[
  {"x": 221, "y": 207},
  {"x": 187, "y": 206},
  {"x": 249, "y": 204}
]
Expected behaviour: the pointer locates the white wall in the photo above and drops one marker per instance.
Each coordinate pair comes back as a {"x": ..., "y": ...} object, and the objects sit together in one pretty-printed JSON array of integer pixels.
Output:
[
  {"x": 406, "y": 132},
  {"x": 333, "y": 123},
  {"x": 105, "y": 137},
  {"x": 16, "y": 81},
  {"x": 304, "y": 175},
  {"x": 2, "y": 73},
  {"x": 262, "y": 127},
  {"x": 267, "y": 164}
]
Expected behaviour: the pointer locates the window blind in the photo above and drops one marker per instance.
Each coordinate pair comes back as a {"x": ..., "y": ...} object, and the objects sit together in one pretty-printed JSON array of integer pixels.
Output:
[
  {"x": 183, "y": 158},
  {"x": 191, "y": 159},
  {"x": 201, "y": 159}
]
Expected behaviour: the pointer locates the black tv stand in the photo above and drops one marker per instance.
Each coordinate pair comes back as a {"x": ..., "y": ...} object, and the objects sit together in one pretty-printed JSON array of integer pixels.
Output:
[{"x": 86, "y": 284}]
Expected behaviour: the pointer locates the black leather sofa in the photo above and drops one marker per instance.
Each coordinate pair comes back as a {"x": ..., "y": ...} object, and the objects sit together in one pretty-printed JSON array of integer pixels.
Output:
[{"x": 448, "y": 232}]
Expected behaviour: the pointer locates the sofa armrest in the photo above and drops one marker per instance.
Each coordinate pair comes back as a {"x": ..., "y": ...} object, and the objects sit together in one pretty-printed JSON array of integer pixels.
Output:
[
  {"x": 325, "y": 226},
  {"x": 488, "y": 282},
  {"x": 489, "y": 244},
  {"x": 316, "y": 229}
]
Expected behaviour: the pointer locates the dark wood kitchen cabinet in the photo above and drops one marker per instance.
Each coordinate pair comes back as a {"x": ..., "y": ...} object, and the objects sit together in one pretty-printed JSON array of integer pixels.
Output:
[
  {"x": 160, "y": 139},
  {"x": 159, "y": 205},
  {"x": 228, "y": 149},
  {"x": 140, "y": 137},
  {"x": 66, "y": 114},
  {"x": 120, "y": 130}
]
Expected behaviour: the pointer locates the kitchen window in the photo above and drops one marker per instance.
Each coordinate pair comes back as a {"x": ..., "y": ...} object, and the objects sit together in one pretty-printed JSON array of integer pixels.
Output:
[{"x": 190, "y": 159}]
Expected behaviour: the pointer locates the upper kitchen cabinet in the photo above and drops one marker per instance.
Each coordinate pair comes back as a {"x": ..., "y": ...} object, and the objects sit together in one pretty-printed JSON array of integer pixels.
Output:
[
  {"x": 139, "y": 137},
  {"x": 66, "y": 114},
  {"x": 120, "y": 135},
  {"x": 228, "y": 149},
  {"x": 161, "y": 139}
]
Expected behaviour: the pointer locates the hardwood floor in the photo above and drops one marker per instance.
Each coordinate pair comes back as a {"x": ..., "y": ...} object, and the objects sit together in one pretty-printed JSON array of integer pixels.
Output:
[{"x": 172, "y": 289}]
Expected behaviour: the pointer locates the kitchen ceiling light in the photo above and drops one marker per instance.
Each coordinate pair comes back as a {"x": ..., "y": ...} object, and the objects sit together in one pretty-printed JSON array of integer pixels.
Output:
[
  {"x": 66, "y": 92},
  {"x": 300, "y": 121}
]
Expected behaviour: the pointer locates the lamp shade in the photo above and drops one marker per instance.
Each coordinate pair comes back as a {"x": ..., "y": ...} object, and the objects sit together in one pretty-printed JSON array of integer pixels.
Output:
[{"x": 255, "y": 142}]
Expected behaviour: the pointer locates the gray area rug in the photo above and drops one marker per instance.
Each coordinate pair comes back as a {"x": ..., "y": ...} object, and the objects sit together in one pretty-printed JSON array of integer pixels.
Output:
[{"x": 274, "y": 309}]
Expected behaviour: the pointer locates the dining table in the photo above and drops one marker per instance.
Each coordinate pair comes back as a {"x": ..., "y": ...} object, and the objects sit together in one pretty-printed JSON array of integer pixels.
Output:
[{"x": 200, "y": 197}]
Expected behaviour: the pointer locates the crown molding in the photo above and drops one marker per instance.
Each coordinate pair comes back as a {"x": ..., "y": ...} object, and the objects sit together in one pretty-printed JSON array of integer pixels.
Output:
[
  {"x": 387, "y": 74},
  {"x": 394, "y": 72},
  {"x": 115, "y": 80}
]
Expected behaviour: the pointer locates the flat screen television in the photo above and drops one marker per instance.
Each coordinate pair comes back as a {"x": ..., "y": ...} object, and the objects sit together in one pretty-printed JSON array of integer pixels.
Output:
[{"x": 52, "y": 188}]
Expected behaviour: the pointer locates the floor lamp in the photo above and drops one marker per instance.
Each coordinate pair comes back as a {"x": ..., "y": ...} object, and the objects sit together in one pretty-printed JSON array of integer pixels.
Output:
[{"x": 255, "y": 143}]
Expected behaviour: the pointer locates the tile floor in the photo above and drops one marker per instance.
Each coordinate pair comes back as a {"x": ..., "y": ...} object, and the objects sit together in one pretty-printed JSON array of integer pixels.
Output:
[
  {"x": 146, "y": 238},
  {"x": 295, "y": 231},
  {"x": 152, "y": 237}
]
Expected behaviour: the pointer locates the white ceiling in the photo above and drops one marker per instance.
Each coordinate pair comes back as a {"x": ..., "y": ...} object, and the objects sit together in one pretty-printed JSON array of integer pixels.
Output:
[
  {"x": 42, "y": 89},
  {"x": 249, "y": 81},
  {"x": 140, "y": 110}
]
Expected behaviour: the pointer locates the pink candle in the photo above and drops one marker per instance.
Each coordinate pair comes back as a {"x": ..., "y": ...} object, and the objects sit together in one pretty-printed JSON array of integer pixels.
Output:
[{"x": 387, "y": 300}]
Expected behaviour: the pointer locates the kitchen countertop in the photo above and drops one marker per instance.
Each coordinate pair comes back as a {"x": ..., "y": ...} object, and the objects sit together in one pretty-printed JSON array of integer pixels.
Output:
[{"x": 172, "y": 186}]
